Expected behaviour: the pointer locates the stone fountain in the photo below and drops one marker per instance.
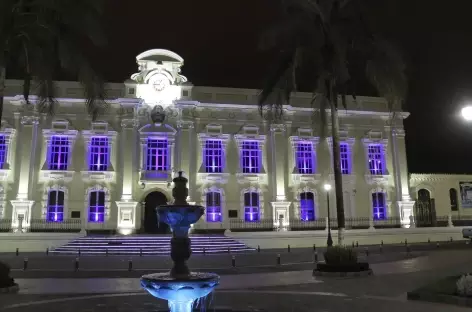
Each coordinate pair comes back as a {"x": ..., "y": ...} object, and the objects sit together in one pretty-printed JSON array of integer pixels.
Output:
[{"x": 181, "y": 288}]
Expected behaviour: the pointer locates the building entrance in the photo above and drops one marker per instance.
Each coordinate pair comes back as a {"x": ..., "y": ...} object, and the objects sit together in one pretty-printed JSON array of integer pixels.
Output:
[{"x": 150, "y": 221}]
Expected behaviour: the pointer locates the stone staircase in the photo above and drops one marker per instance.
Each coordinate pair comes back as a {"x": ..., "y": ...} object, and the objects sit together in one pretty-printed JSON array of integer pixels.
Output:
[{"x": 148, "y": 245}]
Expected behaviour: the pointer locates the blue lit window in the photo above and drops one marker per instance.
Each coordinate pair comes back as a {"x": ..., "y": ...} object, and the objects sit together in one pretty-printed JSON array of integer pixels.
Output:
[
  {"x": 305, "y": 158},
  {"x": 97, "y": 206},
  {"x": 99, "y": 154},
  {"x": 376, "y": 159},
  {"x": 379, "y": 207},
  {"x": 307, "y": 206},
  {"x": 3, "y": 151},
  {"x": 345, "y": 159},
  {"x": 58, "y": 153},
  {"x": 157, "y": 158},
  {"x": 250, "y": 157},
  {"x": 55, "y": 212},
  {"x": 213, "y": 156},
  {"x": 213, "y": 207},
  {"x": 251, "y": 207}
]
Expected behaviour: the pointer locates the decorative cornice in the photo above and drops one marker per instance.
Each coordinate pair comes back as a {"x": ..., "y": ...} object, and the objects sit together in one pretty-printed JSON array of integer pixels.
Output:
[
  {"x": 129, "y": 123},
  {"x": 29, "y": 120},
  {"x": 278, "y": 127}
]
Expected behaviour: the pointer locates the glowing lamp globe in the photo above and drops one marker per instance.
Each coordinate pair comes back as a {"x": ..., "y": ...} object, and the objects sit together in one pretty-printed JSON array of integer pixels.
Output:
[
  {"x": 466, "y": 113},
  {"x": 327, "y": 187}
]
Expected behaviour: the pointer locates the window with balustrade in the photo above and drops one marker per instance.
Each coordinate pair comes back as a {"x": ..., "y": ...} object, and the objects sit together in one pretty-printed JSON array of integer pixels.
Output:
[
  {"x": 213, "y": 155},
  {"x": 55, "y": 206},
  {"x": 99, "y": 153},
  {"x": 157, "y": 155},
  {"x": 58, "y": 153},
  {"x": 251, "y": 157},
  {"x": 379, "y": 206},
  {"x": 213, "y": 207},
  {"x": 251, "y": 207},
  {"x": 376, "y": 159},
  {"x": 96, "y": 206},
  {"x": 305, "y": 155},
  {"x": 307, "y": 206}
]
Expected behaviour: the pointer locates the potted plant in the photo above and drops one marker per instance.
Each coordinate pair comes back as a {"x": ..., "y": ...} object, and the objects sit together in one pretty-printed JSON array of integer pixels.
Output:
[{"x": 341, "y": 260}]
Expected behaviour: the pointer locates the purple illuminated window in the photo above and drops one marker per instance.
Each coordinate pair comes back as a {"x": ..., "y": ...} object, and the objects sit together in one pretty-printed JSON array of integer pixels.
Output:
[
  {"x": 97, "y": 206},
  {"x": 213, "y": 207},
  {"x": 307, "y": 206},
  {"x": 250, "y": 154},
  {"x": 58, "y": 153},
  {"x": 157, "y": 158},
  {"x": 345, "y": 159},
  {"x": 99, "y": 154},
  {"x": 379, "y": 207},
  {"x": 55, "y": 206},
  {"x": 3, "y": 151},
  {"x": 251, "y": 207},
  {"x": 376, "y": 159},
  {"x": 305, "y": 158},
  {"x": 213, "y": 155}
]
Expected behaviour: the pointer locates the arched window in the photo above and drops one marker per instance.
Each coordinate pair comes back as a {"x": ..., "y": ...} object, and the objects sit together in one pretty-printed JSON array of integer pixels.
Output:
[
  {"x": 453, "y": 199},
  {"x": 379, "y": 207},
  {"x": 213, "y": 207},
  {"x": 55, "y": 206},
  {"x": 307, "y": 206},
  {"x": 251, "y": 207},
  {"x": 97, "y": 206}
]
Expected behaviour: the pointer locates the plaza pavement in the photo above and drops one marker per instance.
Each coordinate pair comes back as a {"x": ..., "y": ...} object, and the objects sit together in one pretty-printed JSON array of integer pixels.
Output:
[{"x": 275, "y": 291}]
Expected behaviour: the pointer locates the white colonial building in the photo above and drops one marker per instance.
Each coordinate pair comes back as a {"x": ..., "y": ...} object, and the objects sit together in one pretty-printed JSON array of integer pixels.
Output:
[{"x": 111, "y": 173}]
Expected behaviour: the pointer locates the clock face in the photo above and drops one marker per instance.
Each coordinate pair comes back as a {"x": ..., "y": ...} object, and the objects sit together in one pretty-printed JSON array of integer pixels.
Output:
[{"x": 160, "y": 82}]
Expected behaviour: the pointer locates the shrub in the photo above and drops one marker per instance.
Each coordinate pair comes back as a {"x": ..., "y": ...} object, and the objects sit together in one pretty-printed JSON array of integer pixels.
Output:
[
  {"x": 340, "y": 255},
  {"x": 464, "y": 286},
  {"x": 5, "y": 279}
]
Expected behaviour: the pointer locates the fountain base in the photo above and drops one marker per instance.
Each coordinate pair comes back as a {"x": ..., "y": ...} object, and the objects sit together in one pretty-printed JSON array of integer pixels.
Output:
[{"x": 183, "y": 292}]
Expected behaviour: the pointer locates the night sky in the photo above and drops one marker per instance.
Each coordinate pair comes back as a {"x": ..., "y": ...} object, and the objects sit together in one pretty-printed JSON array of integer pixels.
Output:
[{"x": 219, "y": 42}]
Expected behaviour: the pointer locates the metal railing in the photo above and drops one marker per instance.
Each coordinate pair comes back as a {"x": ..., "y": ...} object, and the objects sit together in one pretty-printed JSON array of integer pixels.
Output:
[
  {"x": 68, "y": 225},
  {"x": 262, "y": 225},
  {"x": 5, "y": 225}
]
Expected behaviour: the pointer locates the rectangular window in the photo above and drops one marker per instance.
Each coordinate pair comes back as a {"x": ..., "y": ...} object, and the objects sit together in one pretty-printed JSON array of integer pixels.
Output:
[
  {"x": 213, "y": 206},
  {"x": 307, "y": 206},
  {"x": 251, "y": 207},
  {"x": 305, "y": 158},
  {"x": 213, "y": 156},
  {"x": 3, "y": 151},
  {"x": 376, "y": 159},
  {"x": 250, "y": 154},
  {"x": 97, "y": 206},
  {"x": 157, "y": 155},
  {"x": 99, "y": 154},
  {"x": 345, "y": 159},
  {"x": 58, "y": 153},
  {"x": 55, "y": 206},
  {"x": 379, "y": 206}
]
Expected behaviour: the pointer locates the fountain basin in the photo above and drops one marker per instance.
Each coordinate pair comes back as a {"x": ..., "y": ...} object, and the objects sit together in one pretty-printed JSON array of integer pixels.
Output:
[{"x": 180, "y": 292}]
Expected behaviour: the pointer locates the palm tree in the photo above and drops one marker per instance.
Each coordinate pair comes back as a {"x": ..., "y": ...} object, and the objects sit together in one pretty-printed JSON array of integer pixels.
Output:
[
  {"x": 327, "y": 42},
  {"x": 45, "y": 38}
]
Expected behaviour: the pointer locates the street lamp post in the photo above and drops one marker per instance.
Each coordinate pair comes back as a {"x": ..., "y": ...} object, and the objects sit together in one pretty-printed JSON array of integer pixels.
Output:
[{"x": 329, "y": 242}]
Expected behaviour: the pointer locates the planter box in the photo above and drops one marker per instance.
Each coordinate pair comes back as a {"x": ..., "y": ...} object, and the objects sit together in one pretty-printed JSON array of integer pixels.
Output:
[
  {"x": 349, "y": 270},
  {"x": 11, "y": 289}
]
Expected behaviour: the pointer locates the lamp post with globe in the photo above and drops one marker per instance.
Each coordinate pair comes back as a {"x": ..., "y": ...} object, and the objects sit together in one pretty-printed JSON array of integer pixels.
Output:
[
  {"x": 329, "y": 242},
  {"x": 466, "y": 113}
]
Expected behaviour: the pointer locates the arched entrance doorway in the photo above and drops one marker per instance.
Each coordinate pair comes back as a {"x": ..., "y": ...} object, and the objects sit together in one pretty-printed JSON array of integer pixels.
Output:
[
  {"x": 425, "y": 211},
  {"x": 150, "y": 222}
]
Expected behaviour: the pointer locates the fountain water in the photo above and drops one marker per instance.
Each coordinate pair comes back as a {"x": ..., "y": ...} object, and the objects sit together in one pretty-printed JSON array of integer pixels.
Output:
[{"x": 180, "y": 287}]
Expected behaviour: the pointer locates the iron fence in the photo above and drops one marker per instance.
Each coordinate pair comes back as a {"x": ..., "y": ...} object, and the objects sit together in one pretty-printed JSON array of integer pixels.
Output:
[
  {"x": 263, "y": 225},
  {"x": 5, "y": 225},
  {"x": 300, "y": 225},
  {"x": 458, "y": 220},
  {"x": 68, "y": 225}
]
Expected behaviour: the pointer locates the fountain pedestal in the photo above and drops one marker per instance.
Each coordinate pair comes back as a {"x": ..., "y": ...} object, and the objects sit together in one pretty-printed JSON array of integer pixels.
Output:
[{"x": 180, "y": 287}]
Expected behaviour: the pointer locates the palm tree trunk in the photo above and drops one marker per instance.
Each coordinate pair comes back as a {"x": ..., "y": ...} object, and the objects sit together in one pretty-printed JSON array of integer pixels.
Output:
[{"x": 338, "y": 182}]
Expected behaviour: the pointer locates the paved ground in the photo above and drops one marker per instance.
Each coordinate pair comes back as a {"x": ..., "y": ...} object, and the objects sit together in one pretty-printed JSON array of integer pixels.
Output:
[{"x": 284, "y": 292}]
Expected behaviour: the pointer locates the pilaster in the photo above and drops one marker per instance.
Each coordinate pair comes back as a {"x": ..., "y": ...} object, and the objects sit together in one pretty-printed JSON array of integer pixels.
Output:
[
  {"x": 128, "y": 138},
  {"x": 279, "y": 159},
  {"x": 27, "y": 155},
  {"x": 126, "y": 217}
]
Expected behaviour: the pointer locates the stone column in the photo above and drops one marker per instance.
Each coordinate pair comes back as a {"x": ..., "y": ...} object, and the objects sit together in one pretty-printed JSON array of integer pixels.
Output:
[
  {"x": 403, "y": 200},
  {"x": 279, "y": 155},
  {"x": 27, "y": 158},
  {"x": 178, "y": 148},
  {"x": 128, "y": 157},
  {"x": 192, "y": 167}
]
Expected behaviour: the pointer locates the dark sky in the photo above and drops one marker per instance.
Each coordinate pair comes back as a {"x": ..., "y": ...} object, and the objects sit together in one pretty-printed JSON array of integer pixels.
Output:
[{"x": 219, "y": 42}]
